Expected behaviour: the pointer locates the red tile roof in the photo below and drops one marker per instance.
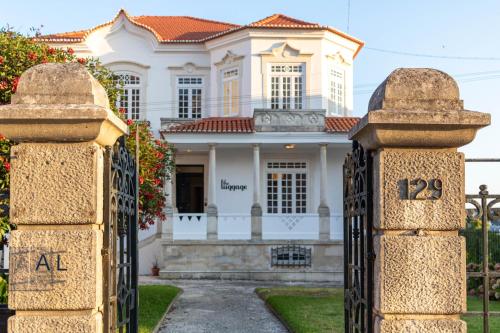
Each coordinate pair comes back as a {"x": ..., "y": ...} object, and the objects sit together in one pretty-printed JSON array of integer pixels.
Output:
[
  {"x": 167, "y": 29},
  {"x": 187, "y": 29},
  {"x": 246, "y": 125},
  {"x": 215, "y": 125},
  {"x": 340, "y": 124},
  {"x": 280, "y": 21}
]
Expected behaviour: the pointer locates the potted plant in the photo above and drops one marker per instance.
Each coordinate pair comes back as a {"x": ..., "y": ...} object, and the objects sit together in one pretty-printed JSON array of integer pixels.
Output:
[{"x": 155, "y": 270}]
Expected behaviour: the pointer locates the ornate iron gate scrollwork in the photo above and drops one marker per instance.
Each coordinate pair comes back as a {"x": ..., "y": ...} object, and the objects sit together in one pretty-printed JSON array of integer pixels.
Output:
[
  {"x": 120, "y": 240},
  {"x": 358, "y": 241}
]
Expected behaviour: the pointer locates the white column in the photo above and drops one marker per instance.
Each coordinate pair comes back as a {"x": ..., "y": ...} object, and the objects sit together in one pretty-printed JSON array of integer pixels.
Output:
[
  {"x": 256, "y": 175},
  {"x": 256, "y": 211},
  {"x": 323, "y": 209},
  {"x": 323, "y": 195},
  {"x": 212, "y": 201},
  {"x": 212, "y": 178}
]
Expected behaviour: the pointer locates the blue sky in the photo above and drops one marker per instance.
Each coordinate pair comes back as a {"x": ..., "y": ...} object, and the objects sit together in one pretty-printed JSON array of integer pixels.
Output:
[{"x": 445, "y": 28}]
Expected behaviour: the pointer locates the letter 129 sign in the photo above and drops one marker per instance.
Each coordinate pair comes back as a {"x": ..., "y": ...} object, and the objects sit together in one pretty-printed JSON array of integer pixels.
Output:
[{"x": 421, "y": 189}]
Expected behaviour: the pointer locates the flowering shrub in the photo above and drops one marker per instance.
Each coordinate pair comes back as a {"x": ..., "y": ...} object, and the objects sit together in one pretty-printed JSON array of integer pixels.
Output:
[{"x": 18, "y": 53}]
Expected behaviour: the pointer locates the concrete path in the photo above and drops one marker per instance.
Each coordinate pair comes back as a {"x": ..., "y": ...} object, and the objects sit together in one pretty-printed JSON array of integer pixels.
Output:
[{"x": 216, "y": 306}]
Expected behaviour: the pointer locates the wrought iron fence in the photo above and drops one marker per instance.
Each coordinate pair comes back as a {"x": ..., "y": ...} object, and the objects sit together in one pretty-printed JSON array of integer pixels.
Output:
[
  {"x": 483, "y": 248},
  {"x": 120, "y": 240},
  {"x": 358, "y": 242}
]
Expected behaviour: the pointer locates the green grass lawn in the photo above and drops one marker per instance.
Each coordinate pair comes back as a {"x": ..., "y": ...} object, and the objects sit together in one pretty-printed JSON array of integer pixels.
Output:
[
  {"x": 475, "y": 324},
  {"x": 307, "y": 310},
  {"x": 321, "y": 310},
  {"x": 153, "y": 302}
]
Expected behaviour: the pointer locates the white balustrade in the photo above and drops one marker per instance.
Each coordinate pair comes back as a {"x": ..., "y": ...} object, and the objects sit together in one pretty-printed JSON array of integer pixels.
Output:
[
  {"x": 234, "y": 226},
  {"x": 336, "y": 227},
  {"x": 290, "y": 226},
  {"x": 190, "y": 226}
]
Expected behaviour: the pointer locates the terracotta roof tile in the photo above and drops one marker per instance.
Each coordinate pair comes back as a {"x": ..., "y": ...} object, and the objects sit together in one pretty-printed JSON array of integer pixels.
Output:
[
  {"x": 280, "y": 20},
  {"x": 340, "y": 124},
  {"x": 187, "y": 29},
  {"x": 246, "y": 125},
  {"x": 165, "y": 28},
  {"x": 215, "y": 125}
]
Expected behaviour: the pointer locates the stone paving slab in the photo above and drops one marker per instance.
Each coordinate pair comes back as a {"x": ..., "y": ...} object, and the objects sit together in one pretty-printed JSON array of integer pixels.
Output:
[{"x": 217, "y": 306}]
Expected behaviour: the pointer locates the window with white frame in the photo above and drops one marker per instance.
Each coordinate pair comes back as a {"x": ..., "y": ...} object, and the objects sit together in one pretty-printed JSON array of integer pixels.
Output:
[
  {"x": 287, "y": 86},
  {"x": 231, "y": 91},
  {"x": 189, "y": 96},
  {"x": 286, "y": 185},
  {"x": 337, "y": 91},
  {"x": 129, "y": 97}
]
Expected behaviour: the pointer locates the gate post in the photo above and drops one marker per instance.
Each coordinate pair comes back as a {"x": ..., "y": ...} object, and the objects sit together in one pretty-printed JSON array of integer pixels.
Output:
[
  {"x": 414, "y": 126},
  {"x": 61, "y": 120}
]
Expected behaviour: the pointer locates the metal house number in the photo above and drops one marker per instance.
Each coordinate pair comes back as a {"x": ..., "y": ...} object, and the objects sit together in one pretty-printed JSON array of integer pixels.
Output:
[{"x": 421, "y": 189}]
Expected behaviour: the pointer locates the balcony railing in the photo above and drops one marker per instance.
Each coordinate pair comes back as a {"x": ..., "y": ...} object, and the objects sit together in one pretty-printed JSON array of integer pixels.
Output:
[{"x": 278, "y": 120}]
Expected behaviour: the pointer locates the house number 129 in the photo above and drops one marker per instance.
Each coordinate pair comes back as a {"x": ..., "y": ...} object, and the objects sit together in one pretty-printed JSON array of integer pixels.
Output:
[{"x": 421, "y": 189}]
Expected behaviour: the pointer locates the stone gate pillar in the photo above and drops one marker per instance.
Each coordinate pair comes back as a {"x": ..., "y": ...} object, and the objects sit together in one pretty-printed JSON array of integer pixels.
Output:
[
  {"x": 414, "y": 126},
  {"x": 61, "y": 119}
]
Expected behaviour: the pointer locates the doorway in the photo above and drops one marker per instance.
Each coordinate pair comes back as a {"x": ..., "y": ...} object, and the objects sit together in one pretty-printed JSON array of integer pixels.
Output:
[{"x": 190, "y": 192}]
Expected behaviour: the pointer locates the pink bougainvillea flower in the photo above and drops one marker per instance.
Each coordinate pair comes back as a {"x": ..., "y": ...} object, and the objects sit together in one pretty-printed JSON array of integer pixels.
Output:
[
  {"x": 51, "y": 50},
  {"x": 82, "y": 61},
  {"x": 141, "y": 180},
  {"x": 3, "y": 85},
  {"x": 1, "y": 60},
  {"x": 6, "y": 165},
  {"x": 130, "y": 122},
  {"x": 71, "y": 51},
  {"x": 122, "y": 110}
]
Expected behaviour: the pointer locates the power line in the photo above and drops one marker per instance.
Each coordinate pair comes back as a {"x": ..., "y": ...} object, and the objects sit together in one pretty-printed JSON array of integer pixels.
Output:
[{"x": 423, "y": 55}]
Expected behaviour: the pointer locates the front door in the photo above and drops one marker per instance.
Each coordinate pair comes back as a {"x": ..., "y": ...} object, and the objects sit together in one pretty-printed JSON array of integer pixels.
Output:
[{"x": 190, "y": 189}]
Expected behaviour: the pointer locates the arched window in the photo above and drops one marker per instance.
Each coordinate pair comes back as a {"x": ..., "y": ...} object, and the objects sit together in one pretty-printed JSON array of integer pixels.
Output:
[{"x": 129, "y": 100}]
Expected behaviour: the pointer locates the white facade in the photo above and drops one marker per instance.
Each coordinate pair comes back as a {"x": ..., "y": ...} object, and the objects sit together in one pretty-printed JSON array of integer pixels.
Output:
[{"x": 282, "y": 172}]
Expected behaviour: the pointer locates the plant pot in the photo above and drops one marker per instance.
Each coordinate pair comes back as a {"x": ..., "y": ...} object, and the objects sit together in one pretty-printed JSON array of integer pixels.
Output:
[
  {"x": 155, "y": 271},
  {"x": 5, "y": 313}
]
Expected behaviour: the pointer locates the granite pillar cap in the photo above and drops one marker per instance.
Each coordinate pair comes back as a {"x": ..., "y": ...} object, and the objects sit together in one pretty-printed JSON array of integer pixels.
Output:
[
  {"x": 418, "y": 107},
  {"x": 60, "y": 103}
]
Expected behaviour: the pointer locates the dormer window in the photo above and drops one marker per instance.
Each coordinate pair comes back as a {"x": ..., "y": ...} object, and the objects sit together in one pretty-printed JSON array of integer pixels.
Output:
[
  {"x": 189, "y": 96},
  {"x": 287, "y": 86},
  {"x": 129, "y": 98}
]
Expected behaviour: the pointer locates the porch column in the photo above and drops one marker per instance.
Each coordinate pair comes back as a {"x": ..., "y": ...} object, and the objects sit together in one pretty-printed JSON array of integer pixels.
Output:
[
  {"x": 167, "y": 227},
  {"x": 323, "y": 209},
  {"x": 256, "y": 211},
  {"x": 212, "y": 206}
]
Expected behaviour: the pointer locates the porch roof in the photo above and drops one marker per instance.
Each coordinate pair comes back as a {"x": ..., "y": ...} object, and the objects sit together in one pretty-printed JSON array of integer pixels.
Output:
[{"x": 245, "y": 125}]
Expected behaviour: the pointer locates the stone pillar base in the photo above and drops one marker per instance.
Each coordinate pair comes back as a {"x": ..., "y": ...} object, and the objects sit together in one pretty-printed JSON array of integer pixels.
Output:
[
  {"x": 43, "y": 323},
  {"x": 212, "y": 222},
  {"x": 324, "y": 222},
  {"x": 256, "y": 221},
  {"x": 167, "y": 227},
  {"x": 420, "y": 325}
]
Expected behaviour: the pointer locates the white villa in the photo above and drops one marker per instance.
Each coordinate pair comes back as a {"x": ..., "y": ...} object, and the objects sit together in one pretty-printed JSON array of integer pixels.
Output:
[{"x": 258, "y": 115}]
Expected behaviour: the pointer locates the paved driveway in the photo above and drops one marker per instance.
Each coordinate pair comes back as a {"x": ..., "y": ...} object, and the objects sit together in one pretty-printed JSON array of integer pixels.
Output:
[{"x": 217, "y": 307}]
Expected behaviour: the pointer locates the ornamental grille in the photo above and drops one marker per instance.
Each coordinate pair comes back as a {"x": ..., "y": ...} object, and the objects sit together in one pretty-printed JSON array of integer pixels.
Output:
[{"x": 290, "y": 256}]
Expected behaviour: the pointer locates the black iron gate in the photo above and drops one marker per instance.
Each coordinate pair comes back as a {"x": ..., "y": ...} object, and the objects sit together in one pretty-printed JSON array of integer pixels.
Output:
[
  {"x": 120, "y": 240},
  {"x": 358, "y": 244}
]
